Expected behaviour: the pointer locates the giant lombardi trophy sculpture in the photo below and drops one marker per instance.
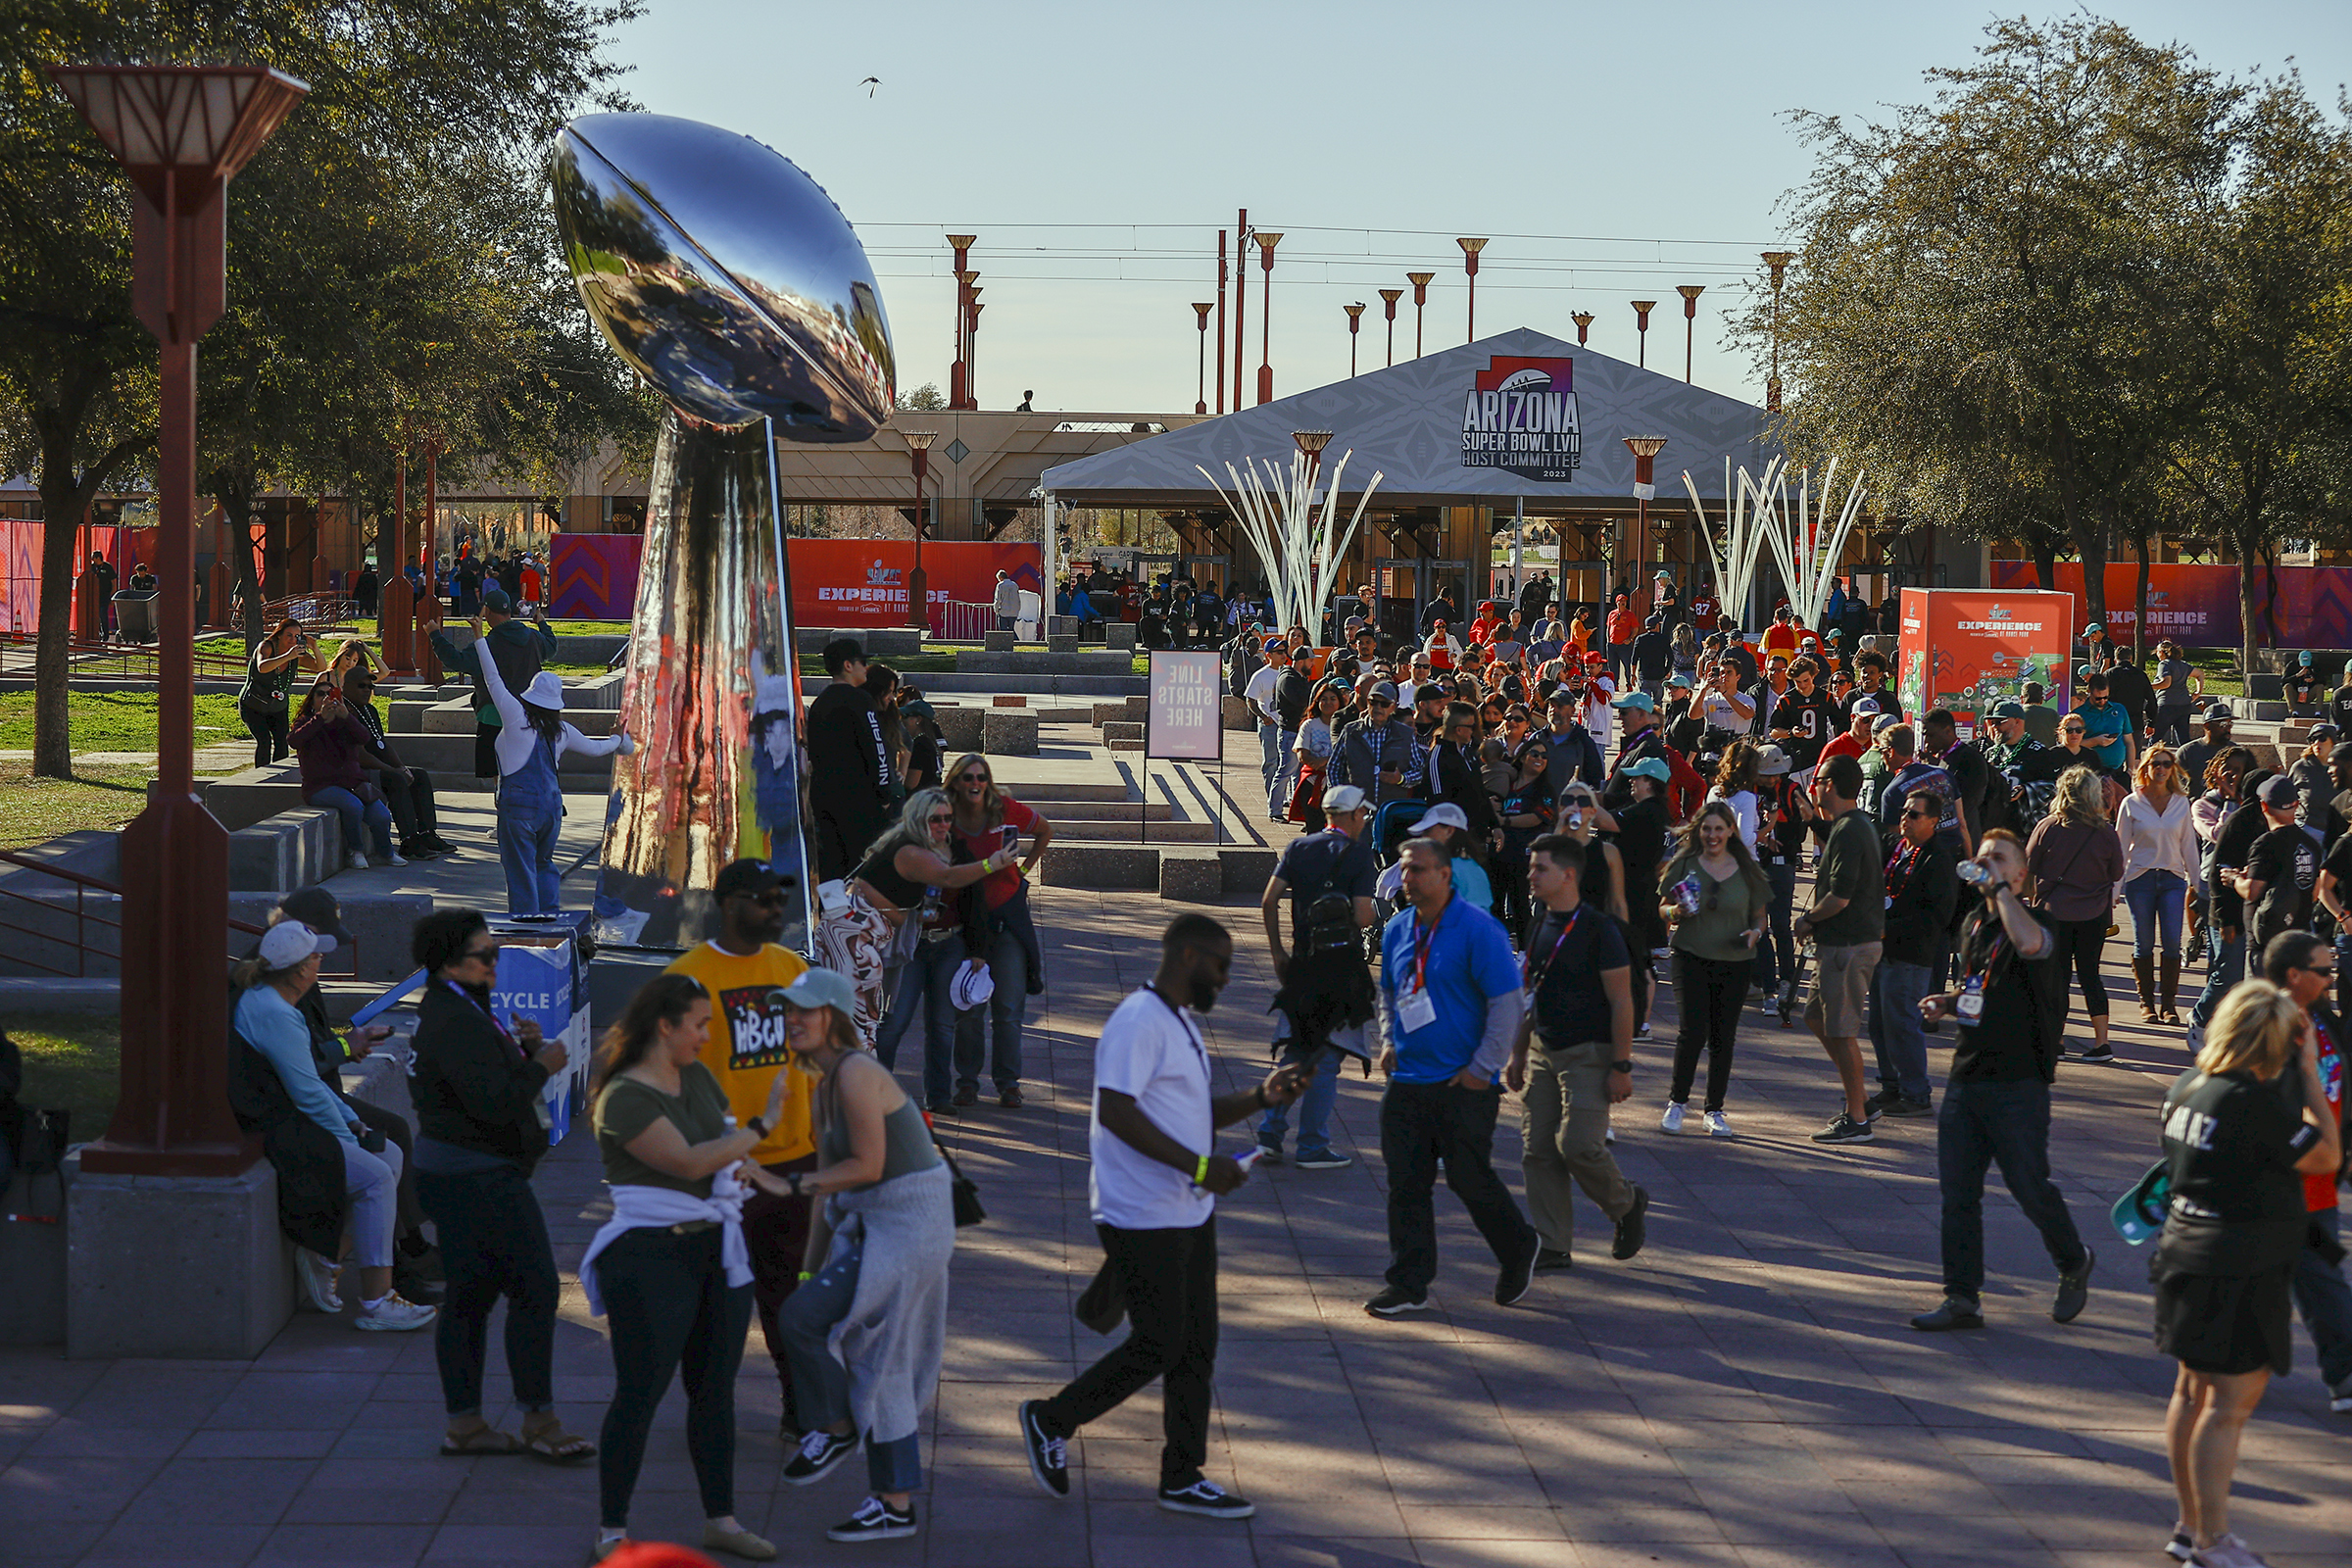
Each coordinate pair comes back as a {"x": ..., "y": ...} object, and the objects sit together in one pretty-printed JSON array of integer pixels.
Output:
[{"x": 731, "y": 282}]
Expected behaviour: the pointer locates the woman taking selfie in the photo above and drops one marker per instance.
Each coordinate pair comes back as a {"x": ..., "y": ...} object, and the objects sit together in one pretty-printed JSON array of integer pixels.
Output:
[
  {"x": 866, "y": 1332},
  {"x": 916, "y": 874},
  {"x": 669, "y": 1270},
  {"x": 269, "y": 672}
]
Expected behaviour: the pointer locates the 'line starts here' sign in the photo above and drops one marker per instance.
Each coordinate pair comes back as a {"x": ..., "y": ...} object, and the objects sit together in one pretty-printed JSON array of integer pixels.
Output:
[{"x": 1187, "y": 718}]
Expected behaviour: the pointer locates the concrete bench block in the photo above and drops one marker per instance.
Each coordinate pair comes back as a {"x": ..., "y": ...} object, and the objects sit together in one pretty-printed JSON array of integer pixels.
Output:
[
  {"x": 881, "y": 641},
  {"x": 959, "y": 727},
  {"x": 1196, "y": 875},
  {"x": 2267, "y": 686},
  {"x": 1237, "y": 714},
  {"x": 1106, "y": 712},
  {"x": 1057, "y": 644},
  {"x": 285, "y": 851},
  {"x": 1119, "y": 634},
  {"x": 1008, "y": 699},
  {"x": 997, "y": 642},
  {"x": 1246, "y": 869},
  {"x": 1135, "y": 745},
  {"x": 1009, "y": 734},
  {"x": 1122, "y": 729},
  {"x": 216, "y": 1235},
  {"x": 1139, "y": 708},
  {"x": 1030, "y": 662},
  {"x": 1061, "y": 626},
  {"x": 1071, "y": 863},
  {"x": 381, "y": 922}
]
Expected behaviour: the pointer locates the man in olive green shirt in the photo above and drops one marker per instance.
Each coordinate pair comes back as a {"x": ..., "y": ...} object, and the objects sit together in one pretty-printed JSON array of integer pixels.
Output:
[{"x": 1845, "y": 925}]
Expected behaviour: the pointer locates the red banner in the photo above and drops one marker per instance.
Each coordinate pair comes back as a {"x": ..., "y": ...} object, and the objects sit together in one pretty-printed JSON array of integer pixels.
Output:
[
  {"x": 1967, "y": 647},
  {"x": 2199, "y": 605},
  {"x": 835, "y": 583}
]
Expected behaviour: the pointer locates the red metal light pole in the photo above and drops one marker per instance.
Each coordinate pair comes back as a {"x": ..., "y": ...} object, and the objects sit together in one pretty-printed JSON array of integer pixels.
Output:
[
  {"x": 956, "y": 371},
  {"x": 1641, "y": 310},
  {"x": 1220, "y": 320},
  {"x": 971, "y": 353},
  {"x": 1355, "y": 319},
  {"x": 1420, "y": 282},
  {"x": 1200, "y": 396},
  {"x": 919, "y": 585},
  {"x": 1388, "y": 301},
  {"x": 1470, "y": 250},
  {"x": 1241, "y": 304},
  {"x": 396, "y": 601},
  {"x": 180, "y": 134},
  {"x": 1779, "y": 261},
  {"x": 1689, "y": 293},
  {"x": 1584, "y": 325},
  {"x": 1645, "y": 449},
  {"x": 428, "y": 608},
  {"x": 1265, "y": 317}
]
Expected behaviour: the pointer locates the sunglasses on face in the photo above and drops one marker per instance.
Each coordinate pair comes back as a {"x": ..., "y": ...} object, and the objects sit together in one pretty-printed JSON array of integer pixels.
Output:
[
  {"x": 2073, "y": 729},
  {"x": 488, "y": 954},
  {"x": 971, "y": 778},
  {"x": 1908, "y": 813},
  {"x": 947, "y": 818},
  {"x": 772, "y": 898}
]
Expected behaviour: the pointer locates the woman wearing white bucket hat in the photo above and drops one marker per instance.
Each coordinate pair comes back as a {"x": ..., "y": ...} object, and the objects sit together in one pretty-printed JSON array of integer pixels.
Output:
[{"x": 531, "y": 736}]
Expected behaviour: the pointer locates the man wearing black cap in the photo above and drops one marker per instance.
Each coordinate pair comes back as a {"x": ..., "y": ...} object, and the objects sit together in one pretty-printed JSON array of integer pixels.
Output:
[
  {"x": 520, "y": 649},
  {"x": 849, "y": 763},
  {"x": 2226, "y": 906},
  {"x": 1378, "y": 753},
  {"x": 415, "y": 1264},
  {"x": 745, "y": 971},
  {"x": 2008, "y": 753},
  {"x": 2218, "y": 721},
  {"x": 2281, "y": 869},
  {"x": 1653, "y": 657}
]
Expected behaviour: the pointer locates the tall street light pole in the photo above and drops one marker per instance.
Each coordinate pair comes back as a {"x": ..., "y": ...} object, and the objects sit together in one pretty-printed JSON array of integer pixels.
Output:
[
  {"x": 1689, "y": 293},
  {"x": 1420, "y": 282},
  {"x": 180, "y": 132},
  {"x": 1241, "y": 303},
  {"x": 1355, "y": 319},
  {"x": 1470, "y": 250},
  {"x": 1641, "y": 310},
  {"x": 1387, "y": 302},
  {"x": 1584, "y": 325},
  {"x": 971, "y": 345},
  {"x": 1645, "y": 449},
  {"x": 1220, "y": 320},
  {"x": 1779, "y": 261},
  {"x": 957, "y": 372},
  {"x": 918, "y": 586},
  {"x": 1266, "y": 315},
  {"x": 1201, "y": 309}
]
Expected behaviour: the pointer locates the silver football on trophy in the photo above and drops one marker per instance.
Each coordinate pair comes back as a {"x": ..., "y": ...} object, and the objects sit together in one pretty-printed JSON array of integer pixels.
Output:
[{"x": 724, "y": 276}]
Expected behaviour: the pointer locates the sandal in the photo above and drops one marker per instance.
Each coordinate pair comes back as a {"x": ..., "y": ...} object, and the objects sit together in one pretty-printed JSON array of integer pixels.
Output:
[
  {"x": 547, "y": 1440},
  {"x": 484, "y": 1438}
]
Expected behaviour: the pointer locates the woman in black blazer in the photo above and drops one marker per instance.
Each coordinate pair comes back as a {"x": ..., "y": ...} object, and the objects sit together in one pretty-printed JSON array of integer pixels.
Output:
[{"x": 476, "y": 1087}]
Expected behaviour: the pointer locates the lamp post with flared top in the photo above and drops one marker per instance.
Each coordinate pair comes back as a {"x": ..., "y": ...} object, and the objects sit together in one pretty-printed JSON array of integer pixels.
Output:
[
  {"x": 1689, "y": 293},
  {"x": 1420, "y": 282},
  {"x": 1388, "y": 303},
  {"x": 1779, "y": 261},
  {"x": 1266, "y": 315},
  {"x": 1355, "y": 320},
  {"x": 1201, "y": 392},
  {"x": 180, "y": 132},
  {"x": 1470, "y": 250},
  {"x": 919, "y": 585},
  {"x": 957, "y": 371},
  {"x": 1646, "y": 450},
  {"x": 1584, "y": 325},
  {"x": 1641, "y": 310}
]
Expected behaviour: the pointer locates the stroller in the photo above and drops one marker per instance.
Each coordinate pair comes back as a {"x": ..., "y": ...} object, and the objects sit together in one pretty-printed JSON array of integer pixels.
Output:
[{"x": 1391, "y": 826}]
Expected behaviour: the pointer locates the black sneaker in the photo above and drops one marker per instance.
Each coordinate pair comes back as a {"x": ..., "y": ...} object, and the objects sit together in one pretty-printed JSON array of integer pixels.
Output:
[
  {"x": 1518, "y": 1273},
  {"x": 1880, "y": 1103},
  {"x": 875, "y": 1520},
  {"x": 820, "y": 1451},
  {"x": 1956, "y": 1312},
  {"x": 1844, "y": 1130},
  {"x": 1323, "y": 1159},
  {"x": 2092, "y": 1055},
  {"x": 1395, "y": 1301},
  {"x": 1906, "y": 1105},
  {"x": 1207, "y": 1499},
  {"x": 1555, "y": 1261},
  {"x": 2074, "y": 1289},
  {"x": 1048, "y": 1456},
  {"x": 1633, "y": 1227}
]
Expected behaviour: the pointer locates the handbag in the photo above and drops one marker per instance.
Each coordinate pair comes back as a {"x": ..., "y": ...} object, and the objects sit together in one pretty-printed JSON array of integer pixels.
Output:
[{"x": 963, "y": 1192}]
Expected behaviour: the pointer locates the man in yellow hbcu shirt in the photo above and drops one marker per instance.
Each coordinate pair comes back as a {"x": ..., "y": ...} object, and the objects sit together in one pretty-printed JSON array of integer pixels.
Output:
[{"x": 746, "y": 972}]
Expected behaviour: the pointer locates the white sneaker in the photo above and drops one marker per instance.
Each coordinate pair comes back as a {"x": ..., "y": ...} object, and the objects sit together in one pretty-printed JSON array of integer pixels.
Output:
[
  {"x": 357, "y": 863},
  {"x": 317, "y": 1277},
  {"x": 1608, "y": 1135},
  {"x": 2342, "y": 1403},
  {"x": 1718, "y": 1126},
  {"x": 2229, "y": 1552},
  {"x": 394, "y": 1315},
  {"x": 396, "y": 859},
  {"x": 2196, "y": 1038},
  {"x": 1672, "y": 1121}
]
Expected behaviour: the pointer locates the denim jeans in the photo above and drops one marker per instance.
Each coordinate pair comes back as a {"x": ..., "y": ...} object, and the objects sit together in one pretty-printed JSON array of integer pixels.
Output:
[
  {"x": 1896, "y": 991},
  {"x": 1001, "y": 1017},
  {"x": 2155, "y": 899},
  {"x": 1314, "y": 1106},
  {"x": 2226, "y": 968},
  {"x": 527, "y": 853},
  {"x": 1279, "y": 766},
  {"x": 375, "y": 814},
  {"x": 2326, "y": 1302},
  {"x": 2008, "y": 1124},
  {"x": 923, "y": 983},
  {"x": 822, "y": 1383},
  {"x": 1775, "y": 955}
]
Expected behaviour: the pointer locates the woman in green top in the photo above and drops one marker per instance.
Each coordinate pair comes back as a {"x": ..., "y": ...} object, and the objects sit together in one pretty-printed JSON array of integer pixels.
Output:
[
  {"x": 661, "y": 1267},
  {"x": 269, "y": 672},
  {"x": 1717, "y": 899},
  {"x": 866, "y": 1331}
]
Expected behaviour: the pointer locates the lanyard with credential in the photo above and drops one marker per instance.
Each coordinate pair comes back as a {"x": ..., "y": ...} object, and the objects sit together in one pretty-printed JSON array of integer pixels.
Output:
[
  {"x": 1535, "y": 972},
  {"x": 473, "y": 1001},
  {"x": 1421, "y": 947}
]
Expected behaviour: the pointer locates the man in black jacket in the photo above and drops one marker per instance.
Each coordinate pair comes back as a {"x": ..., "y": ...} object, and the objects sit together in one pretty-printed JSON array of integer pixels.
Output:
[
  {"x": 1455, "y": 776},
  {"x": 1922, "y": 891},
  {"x": 1653, "y": 655},
  {"x": 849, "y": 763}
]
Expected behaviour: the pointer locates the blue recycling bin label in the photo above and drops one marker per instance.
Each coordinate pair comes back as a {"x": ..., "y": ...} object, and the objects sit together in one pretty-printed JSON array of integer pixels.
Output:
[{"x": 538, "y": 979}]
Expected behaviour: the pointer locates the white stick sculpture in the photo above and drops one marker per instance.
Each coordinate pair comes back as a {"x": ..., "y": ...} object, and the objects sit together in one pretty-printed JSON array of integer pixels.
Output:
[
  {"x": 1807, "y": 543},
  {"x": 1291, "y": 536}
]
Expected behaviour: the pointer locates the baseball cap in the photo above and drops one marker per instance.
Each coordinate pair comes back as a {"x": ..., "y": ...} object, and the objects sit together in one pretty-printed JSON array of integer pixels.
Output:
[
  {"x": 1384, "y": 691},
  {"x": 1561, "y": 696},
  {"x": 2220, "y": 713},
  {"x": 1341, "y": 798},
  {"x": 289, "y": 942},
  {"x": 1431, "y": 692},
  {"x": 317, "y": 908},
  {"x": 1884, "y": 722},
  {"x": 1771, "y": 760},
  {"x": 1443, "y": 815},
  {"x": 819, "y": 988},
  {"x": 1649, "y": 767},
  {"x": 2303, "y": 657},
  {"x": 1639, "y": 700},
  {"x": 496, "y": 598},
  {"x": 2323, "y": 732},
  {"x": 1679, "y": 679},
  {"x": 2094, "y": 629},
  {"x": 1273, "y": 642},
  {"x": 1868, "y": 704},
  {"x": 2007, "y": 708},
  {"x": 750, "y": 876},
  {"x": 2278, "y": 789}
]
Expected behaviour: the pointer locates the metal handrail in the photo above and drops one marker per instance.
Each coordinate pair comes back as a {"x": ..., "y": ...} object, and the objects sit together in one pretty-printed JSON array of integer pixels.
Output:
[
  {"x": 84, "y": 884},
  {"x": 82, "y": 652}
]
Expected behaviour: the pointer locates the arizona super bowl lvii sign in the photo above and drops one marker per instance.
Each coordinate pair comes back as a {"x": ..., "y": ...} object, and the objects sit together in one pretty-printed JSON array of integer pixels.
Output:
[{"x": 1520, "y": 414}]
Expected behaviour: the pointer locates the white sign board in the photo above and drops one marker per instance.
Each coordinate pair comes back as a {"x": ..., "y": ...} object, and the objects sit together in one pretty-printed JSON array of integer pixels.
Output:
[{"x": 1187, "y": 715}]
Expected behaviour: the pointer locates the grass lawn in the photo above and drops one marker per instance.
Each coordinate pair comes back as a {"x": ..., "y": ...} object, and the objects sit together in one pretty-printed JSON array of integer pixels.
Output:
[
  {"x": 34, "y": 810},
  {"x": 70, "y": 1060},
  {"x": 117, "y": 721}
]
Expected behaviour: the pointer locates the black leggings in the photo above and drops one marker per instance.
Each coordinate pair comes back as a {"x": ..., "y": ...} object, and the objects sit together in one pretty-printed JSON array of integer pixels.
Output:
[
  {"x": 268, "y": 728},
  {"x": 2080, "y": 941},
  {"x": 493, "y": 1243},
  {"x": 670, "y": 1309},
  {"x": 1709, "y": 993}
]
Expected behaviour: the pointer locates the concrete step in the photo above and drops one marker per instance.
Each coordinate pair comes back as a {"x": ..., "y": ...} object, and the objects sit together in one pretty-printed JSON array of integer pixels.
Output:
[
  {"x": 1242, "y": 869},
  {"x": 1054, "y": 684},
  {"x": 448, "y": 754},
  {"x": 1092, "y": 810},
  {"x": 1037, "y": 664},
  {"x": 1129, "y": 830}
]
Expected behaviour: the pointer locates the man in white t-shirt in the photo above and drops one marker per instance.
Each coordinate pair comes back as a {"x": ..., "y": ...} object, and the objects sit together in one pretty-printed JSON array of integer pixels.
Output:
[{"x": 1153, "y": 1192}]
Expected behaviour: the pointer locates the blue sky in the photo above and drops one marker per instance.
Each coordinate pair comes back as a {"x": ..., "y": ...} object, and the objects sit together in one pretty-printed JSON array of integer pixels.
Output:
[{"x": 1612, "y": 152}]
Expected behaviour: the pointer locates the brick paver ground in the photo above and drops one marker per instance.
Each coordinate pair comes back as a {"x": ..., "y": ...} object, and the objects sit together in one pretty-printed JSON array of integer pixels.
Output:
[{"x": 1744, "y": 1393}]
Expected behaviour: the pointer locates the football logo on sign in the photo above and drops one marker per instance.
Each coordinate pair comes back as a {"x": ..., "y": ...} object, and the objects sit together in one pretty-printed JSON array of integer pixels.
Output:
[{"x": 1520, "y": 414}]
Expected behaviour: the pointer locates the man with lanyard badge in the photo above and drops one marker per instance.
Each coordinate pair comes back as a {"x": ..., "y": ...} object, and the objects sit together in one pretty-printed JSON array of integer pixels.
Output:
[{"x": 2304, "y": 966}]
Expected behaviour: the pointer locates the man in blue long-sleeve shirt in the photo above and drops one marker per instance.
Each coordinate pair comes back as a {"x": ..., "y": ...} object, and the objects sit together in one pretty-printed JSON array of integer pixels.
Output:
[{"x": 1450, "y": 1003}]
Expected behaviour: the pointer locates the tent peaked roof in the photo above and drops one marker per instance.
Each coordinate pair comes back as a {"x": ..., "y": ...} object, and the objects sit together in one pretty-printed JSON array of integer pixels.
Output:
[{"x": 1408, "y": 422}]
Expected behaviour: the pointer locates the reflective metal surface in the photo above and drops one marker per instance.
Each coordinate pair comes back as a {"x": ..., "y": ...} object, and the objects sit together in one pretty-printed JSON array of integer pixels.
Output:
[
  {"x": 712, "y": 697},
  {"x": 724, "y": 276}
]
